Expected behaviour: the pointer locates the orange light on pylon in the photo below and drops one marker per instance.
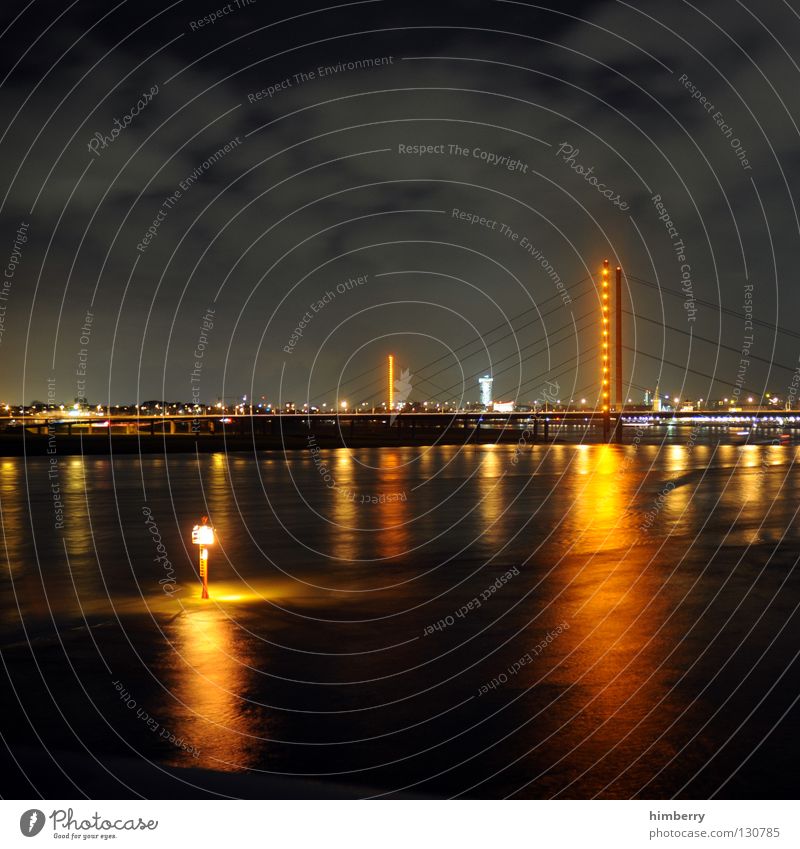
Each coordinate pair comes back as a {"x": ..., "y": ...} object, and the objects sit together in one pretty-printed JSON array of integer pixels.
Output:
[
  {"x": 391, "y": 382},
  {"x": 605, "y": 335}
]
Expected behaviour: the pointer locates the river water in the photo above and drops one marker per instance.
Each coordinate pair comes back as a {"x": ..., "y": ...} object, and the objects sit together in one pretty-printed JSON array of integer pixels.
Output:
[{"x": 530, "y": 621}]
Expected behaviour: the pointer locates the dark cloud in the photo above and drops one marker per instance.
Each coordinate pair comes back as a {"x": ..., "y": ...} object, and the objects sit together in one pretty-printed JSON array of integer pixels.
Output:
[{"x": 317, "y": 192}]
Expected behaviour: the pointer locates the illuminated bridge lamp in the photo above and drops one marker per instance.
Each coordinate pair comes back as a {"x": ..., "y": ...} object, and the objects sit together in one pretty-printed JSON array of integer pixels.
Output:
[
  {"x": 604, "y": 293},
  {"x": 203, "y": 536},
  {"x": 391, "y": 381}
]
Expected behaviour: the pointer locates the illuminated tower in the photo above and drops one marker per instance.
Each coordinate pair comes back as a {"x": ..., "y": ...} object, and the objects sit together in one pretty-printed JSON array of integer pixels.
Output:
[
  {"x": 604, "y": 300},
  {"x": 391, "y": 381},
  {"x": 485, "y": 384},
  {"x": 618, "y": 337}
]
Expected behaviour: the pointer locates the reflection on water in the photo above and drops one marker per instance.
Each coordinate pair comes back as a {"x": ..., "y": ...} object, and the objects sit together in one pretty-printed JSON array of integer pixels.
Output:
[
  {"x": 12, "y": 510},
  {"x": 491, "y": 505},
  {"x": 629, "y": 574},
  {"x": 599, "y": 501},
  {"x": 605, "y": 662},
  {"x": 207, "y": 685}
]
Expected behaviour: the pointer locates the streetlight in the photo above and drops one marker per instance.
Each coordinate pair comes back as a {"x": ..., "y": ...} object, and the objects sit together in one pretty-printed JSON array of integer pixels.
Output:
[{"x": 203, "y": 535}]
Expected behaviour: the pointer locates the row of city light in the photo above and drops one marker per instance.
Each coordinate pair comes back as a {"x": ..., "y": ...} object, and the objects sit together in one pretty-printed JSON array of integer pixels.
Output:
[
  {"x": 76, "y": 411},
  {"x": 82, "y": 409}
]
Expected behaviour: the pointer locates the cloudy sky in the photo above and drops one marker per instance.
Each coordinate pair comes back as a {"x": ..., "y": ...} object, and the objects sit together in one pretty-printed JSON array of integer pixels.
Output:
[{"x": 246, "y": 187}]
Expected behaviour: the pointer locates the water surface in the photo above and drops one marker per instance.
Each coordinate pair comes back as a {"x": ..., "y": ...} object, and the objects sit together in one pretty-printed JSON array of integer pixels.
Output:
[{"x": 539, "y": 621}]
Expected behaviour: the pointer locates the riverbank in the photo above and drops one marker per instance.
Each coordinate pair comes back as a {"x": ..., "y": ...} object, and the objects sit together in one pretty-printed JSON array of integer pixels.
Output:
[
  {"x": 98, "y": 776},
  {"x": 33, "y": 445}
]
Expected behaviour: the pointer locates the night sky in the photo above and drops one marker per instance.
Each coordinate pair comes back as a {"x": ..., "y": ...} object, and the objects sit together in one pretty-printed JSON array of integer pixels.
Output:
[{"x": 245, "y": 184}]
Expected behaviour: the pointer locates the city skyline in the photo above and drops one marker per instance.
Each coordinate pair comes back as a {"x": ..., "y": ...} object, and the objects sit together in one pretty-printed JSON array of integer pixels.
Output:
[
  {"x": 399, "y": 401},
  {"x": 164, "y": 247}
]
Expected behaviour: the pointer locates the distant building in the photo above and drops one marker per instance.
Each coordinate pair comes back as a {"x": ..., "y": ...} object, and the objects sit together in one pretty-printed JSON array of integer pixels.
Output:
[
  {"x": 485, "y": 384},
  {"x": 656, "y": 401},
  {"x": 503, "y": 406}
]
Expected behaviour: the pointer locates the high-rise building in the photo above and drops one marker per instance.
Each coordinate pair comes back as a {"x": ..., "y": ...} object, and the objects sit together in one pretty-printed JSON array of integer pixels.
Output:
[
  {"x": 657, "y": 401},
  {"x": 485, "y": 384}
]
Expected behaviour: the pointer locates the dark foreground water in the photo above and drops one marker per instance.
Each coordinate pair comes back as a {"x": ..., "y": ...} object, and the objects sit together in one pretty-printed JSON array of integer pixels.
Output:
[{"x": 569, "y": 621}]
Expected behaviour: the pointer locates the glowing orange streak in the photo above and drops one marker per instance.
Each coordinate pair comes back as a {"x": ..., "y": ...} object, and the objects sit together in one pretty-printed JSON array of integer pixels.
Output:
[{"x": 604, "y": 384}]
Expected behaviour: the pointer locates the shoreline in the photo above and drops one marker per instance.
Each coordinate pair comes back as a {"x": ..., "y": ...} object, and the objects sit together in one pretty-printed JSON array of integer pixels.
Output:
[
  {"x": 33, "y": 445},
  {"x": 40, "y": 446}
]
